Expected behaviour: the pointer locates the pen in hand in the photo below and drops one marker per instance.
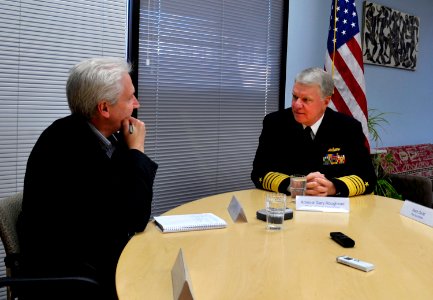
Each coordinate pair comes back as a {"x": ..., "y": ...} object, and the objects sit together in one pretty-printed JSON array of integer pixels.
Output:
[{"x": 131, "y": 128}]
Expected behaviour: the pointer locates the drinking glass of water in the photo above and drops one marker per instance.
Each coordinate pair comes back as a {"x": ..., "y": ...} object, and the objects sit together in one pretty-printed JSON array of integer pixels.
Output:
[{"x": 275, "y": 209}]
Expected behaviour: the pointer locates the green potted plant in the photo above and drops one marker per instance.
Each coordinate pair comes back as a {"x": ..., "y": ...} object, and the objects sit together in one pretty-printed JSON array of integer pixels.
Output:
[{"x": 384, "y": 185}]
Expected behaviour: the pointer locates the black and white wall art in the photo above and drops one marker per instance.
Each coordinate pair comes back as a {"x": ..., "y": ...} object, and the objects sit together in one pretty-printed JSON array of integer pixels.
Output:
[{"x": 389, "y": 38}]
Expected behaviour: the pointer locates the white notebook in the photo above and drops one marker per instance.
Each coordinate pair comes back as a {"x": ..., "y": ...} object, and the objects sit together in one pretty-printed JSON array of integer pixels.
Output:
[{"x": 189, "y": 222}]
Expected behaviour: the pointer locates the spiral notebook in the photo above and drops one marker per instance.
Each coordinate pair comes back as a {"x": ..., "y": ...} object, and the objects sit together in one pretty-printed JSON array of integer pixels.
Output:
[{"x": 176, "y": 223}]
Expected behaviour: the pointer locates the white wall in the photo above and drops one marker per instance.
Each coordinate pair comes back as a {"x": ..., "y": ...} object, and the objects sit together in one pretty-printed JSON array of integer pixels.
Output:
[{"x": 407, "y": 96}]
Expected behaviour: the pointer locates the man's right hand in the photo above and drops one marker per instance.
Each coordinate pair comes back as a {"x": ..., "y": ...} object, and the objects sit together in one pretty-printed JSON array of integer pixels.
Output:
[{"x": 318, "y": 185}]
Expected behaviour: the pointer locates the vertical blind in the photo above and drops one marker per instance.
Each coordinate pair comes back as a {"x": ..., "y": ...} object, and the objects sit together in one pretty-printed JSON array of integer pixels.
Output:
[
  {"x": 209, "y": 71},
  {"x": 40, "y": 42}
]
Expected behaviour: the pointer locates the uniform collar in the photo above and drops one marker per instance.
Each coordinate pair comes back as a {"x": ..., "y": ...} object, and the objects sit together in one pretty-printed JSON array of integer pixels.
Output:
[{"x": 316, "y": 125}]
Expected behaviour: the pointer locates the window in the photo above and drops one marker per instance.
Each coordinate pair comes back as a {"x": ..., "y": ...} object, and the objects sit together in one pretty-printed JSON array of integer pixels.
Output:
[
  {"x": 40, "y": 42},
  {"x": 208, "y": 72}
]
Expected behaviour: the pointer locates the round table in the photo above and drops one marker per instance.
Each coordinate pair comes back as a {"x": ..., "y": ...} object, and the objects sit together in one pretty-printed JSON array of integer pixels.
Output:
[{"x": 246, "y": 261}]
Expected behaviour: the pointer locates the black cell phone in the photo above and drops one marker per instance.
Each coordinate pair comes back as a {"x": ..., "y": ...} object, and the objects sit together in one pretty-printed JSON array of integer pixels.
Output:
[{"x": 342, "y": 239}]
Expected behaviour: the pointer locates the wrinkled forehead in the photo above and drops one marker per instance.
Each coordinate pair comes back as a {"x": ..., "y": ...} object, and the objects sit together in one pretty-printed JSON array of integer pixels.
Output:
[{"x": 306, "y": 89}]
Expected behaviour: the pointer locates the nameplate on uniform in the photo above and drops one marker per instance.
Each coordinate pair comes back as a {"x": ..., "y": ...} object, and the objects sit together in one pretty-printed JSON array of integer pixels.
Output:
[
  {"x": 323, "y": 204},
  {"x": 182, "y": 285},
  {"x": 417, "y": 212},
  {"x": 236, "y": 211}
]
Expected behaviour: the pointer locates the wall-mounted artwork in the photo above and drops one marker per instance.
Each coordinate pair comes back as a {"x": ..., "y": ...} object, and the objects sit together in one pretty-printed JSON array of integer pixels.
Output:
[{"x": 390, "y": 37}]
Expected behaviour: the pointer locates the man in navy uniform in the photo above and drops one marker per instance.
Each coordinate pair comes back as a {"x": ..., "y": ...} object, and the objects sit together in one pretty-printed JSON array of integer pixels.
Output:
[{"x": 311, "y": 139}]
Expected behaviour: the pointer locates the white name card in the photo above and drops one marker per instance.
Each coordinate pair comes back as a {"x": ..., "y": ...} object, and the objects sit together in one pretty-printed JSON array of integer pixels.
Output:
[
  {"x": 236, "y": 211},
  {"x": 417, "y": 212},
  {"x": 181, "y": 281},
  {"x": 323, "y": 204}
]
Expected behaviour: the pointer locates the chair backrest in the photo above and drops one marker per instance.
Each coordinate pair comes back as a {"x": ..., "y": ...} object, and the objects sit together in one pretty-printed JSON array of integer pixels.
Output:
[
  {"x": 10, "y": 208},
  {"x": 415, "y": 188},
  {"x": 38, "y": 287}
]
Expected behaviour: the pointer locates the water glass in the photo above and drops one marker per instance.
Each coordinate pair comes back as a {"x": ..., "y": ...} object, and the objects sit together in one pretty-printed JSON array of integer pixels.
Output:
[
  {"x": 298, "y": 184},
  {"x": 275, "y": 209}
]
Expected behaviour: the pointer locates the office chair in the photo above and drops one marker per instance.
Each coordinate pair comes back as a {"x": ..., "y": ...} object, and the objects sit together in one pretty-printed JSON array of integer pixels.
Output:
[
  {"x": 415, "y": 188},
  {"x": 10, "y": 208}
]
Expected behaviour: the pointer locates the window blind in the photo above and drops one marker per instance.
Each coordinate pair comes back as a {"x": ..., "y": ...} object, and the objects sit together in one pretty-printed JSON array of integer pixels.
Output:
[
  {"x": 40, "y": 42},
  {"x": 209, "y": 71}
]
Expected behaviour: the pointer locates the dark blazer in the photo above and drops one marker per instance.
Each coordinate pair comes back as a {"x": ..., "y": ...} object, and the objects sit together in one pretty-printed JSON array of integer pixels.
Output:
[
  {"x": 80, "y": 207},
  {"x": 338, "y": 151}
]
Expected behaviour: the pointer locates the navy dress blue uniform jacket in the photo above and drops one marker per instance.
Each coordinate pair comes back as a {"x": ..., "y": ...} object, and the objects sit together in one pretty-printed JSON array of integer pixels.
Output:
[
  {"x": 80, "y": 207},
  {"x": 338, "y": 151}
]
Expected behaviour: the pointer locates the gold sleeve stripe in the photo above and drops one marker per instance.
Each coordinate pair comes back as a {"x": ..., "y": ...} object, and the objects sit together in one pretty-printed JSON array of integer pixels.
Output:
[
  {"x": 276, "y": 183},
  {"x": 355, "y": 184},
  {"x": 349, "y": 185},
  {"x": 273, "y": 180},
  {"x": 269, "y": 178},
  {"x": 359, "y": 184}
]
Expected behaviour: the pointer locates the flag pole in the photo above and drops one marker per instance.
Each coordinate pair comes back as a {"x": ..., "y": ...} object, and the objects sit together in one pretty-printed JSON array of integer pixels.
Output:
[{"x": 335, "y": 37}]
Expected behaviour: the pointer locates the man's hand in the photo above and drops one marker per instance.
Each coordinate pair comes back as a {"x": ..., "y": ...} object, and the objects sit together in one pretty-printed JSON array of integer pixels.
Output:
[
  {"x": 134, "y": 132},
  {"x": 318, "y": 185}
]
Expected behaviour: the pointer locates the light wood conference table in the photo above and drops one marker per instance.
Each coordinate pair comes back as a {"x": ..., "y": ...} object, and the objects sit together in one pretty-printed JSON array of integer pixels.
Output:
[{"x": 245, "y": 261}]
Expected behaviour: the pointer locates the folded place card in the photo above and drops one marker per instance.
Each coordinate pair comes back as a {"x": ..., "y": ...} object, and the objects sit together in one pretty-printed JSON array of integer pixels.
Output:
[
  {"x": 236, "y": 211},
  {"x": 417, "y": 212},
  {"x": 182, "y": 285},
  {"x": 323, "y": 204}
]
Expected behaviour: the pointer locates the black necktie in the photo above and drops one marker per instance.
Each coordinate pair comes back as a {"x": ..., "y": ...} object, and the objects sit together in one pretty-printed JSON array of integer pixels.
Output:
[{"x": 308, "y": 133}]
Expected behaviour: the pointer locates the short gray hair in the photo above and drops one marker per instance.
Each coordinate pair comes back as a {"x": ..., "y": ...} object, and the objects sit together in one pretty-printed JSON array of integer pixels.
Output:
[
  {"x": 93, "y": 80},
  {"x": 317, "y": 76}
]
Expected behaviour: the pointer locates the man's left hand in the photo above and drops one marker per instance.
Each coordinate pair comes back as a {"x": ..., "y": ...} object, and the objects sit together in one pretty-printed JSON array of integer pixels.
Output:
[{"x": 134, "y": 132}]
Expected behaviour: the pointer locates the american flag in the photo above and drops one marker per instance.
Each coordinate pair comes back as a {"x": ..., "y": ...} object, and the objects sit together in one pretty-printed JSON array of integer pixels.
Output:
[{"x": 344, "y": 61}]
